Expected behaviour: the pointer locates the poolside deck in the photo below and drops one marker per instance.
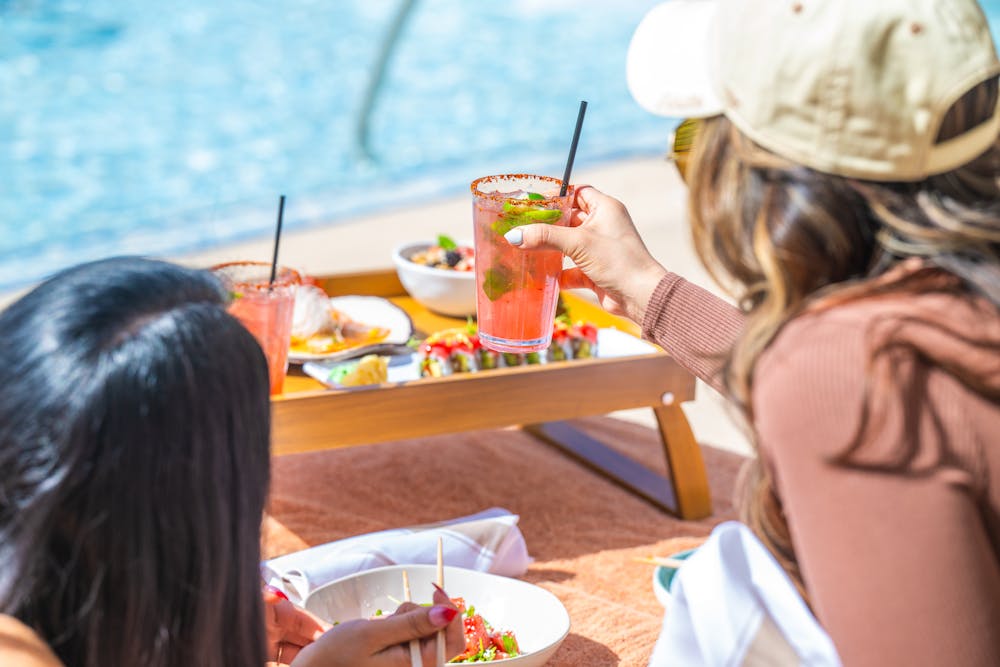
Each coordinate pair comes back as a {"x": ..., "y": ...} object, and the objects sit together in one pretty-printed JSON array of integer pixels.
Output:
[{"x": 583, "y": 531}]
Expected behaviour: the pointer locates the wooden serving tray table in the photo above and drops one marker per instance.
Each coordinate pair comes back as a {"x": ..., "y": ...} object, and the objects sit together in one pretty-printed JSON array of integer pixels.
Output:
[{"x": 309, "y": 416}]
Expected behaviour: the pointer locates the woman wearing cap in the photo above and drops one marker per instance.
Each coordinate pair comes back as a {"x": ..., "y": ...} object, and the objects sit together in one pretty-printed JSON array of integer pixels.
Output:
[{"x": 844, "y": 185}]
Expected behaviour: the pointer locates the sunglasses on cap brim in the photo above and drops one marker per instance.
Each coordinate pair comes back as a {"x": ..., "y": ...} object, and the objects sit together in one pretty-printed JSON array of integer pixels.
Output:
[{"x": 681, "y": 142}]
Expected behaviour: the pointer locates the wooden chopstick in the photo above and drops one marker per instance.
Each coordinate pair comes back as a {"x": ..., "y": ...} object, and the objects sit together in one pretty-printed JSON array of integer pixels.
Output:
[
  {"x": 416, "y": 660},
  {"x": 661, "y": 561},
  {"x": 440, "y": 582}
]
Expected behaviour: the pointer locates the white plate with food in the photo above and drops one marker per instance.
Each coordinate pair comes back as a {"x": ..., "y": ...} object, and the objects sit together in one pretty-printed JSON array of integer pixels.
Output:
[
  {"x": 369, "y": 371},
  {"x": 345, "y": 327},
  {"x": 534, "y": 619}
]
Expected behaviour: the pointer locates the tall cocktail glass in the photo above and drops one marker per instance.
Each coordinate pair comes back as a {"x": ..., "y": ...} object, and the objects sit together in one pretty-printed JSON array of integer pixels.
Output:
[
  {"x": 516, "y": 290},
  {"x": 265, "y": 309}
]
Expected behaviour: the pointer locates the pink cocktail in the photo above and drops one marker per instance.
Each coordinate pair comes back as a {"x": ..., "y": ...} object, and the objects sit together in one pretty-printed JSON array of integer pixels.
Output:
[
  {"x": 265, "y": 309},
  {"x": 516, "y": 290}
]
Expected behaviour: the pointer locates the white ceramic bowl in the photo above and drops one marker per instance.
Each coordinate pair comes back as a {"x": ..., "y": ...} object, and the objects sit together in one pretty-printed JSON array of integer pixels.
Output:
[
  {"x": 446, "y": 292},
  {"x": 537, "y": 618}
]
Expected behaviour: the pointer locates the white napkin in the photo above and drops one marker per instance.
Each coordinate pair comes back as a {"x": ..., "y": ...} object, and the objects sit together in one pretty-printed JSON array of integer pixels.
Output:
[
  {"x": 720, "y": 598},
  {"x": 489, "y": 541}
]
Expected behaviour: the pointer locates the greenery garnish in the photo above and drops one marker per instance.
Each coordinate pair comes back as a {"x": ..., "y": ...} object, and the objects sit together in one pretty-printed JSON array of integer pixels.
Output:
[
  {"x": 497, "y": 281},
  {"x": 515, "y": 215}
]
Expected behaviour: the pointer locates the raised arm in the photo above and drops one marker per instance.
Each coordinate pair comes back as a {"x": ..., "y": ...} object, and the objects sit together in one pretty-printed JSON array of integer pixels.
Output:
[
  {"x": 696, "y": 327},
  {"x": 611, "y": 259}
]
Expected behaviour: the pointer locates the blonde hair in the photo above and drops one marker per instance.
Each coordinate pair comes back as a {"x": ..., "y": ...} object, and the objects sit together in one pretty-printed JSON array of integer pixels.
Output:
[{"x": 783, "y": 238}]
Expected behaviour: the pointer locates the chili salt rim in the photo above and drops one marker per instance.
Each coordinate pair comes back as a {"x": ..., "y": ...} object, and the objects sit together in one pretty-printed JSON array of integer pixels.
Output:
[
  {"x": 501, "y": 197},
  {"x": 286, "y": 276}
]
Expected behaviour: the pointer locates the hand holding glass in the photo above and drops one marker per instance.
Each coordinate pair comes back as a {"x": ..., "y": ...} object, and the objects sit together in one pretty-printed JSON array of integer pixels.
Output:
[{"x": 516, "y": 290}]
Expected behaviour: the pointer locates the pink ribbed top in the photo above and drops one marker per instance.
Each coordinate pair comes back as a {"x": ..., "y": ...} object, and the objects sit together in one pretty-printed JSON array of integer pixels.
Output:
[{"x": 902, "y": 567}]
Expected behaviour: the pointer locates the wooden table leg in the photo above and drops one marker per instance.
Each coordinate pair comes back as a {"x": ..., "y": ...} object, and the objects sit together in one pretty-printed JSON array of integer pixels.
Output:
[
  {"x": 685, "y": 464},
  {"x": 684, "y": 493}
]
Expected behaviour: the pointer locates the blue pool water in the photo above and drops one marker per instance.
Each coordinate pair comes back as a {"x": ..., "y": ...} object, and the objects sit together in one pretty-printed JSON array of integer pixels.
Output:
[
  {"x": 156, "y": 128},
  {"x": 150, "y": 127}
]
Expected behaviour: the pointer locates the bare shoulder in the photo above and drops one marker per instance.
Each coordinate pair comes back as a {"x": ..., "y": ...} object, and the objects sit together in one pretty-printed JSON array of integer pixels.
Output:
[{"x": 21, "y": 647}]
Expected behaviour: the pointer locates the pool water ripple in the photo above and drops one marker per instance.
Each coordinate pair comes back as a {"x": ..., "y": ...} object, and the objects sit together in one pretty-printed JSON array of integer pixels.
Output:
[{"x": 157, "y": 128}]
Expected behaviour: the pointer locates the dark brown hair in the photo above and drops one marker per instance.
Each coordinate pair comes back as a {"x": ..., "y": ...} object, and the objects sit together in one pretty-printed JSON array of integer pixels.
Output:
[
  {"x": 134, "y": 444},
  {"x": 783, "y": 238}
]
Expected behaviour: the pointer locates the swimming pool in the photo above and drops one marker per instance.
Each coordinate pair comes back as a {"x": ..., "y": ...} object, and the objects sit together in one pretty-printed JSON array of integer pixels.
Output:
[
  {"x": 149, "y": 128},
  {"x": 159, "y": 128}
]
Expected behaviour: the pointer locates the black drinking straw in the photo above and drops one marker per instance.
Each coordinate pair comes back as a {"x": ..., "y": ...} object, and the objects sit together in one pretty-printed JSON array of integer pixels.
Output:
[
  {"x": 572, "y": 148},
  {"x": 277, "y": 239}
]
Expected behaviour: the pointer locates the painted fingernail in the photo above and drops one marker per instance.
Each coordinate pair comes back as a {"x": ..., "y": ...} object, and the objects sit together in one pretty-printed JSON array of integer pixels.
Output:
[
  {"x": 273, "y": 590},
  {"x": 514, "y": 236},
  {"x": 440, "y": 590},
  {"x": 441, "y": 615}
]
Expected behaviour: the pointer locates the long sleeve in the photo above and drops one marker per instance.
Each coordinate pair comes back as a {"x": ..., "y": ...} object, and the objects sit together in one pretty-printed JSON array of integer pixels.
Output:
[
  {"x": 899, "y": 565},
  {"x": 696, "y": 327}
]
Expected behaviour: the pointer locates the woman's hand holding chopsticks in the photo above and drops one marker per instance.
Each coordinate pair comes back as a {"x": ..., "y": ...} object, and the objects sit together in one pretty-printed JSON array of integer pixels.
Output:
[{"x": 384, "y": 641}]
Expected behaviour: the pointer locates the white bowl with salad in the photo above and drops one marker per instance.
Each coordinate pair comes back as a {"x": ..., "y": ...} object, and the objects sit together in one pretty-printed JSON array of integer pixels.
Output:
[
  {"x": 439, "y": 274},
  {"x": 523, "y": 623}
]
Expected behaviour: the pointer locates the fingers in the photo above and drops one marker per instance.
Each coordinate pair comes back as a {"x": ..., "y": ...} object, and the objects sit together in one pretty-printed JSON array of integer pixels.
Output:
[
  {"x": 455, "y": 633},
  {"x": 551, "y": 237},
  {"x": 577, "y": 217},
  {"x": 440, "y": 597},
  {"x": 287, "y": 653},
  {"x": 290, "y": 624},
  {"x": 574, "y": 278},
  {"x": 412, "y": 621},
  {"x": 413, "y": 624},
  {"x": 586, "y": 196},
  {"x": 405, "y": 607}
]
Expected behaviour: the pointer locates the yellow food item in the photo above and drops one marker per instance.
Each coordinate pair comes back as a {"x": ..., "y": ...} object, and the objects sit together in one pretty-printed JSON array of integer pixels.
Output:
[{"x": 370, "y": 369}]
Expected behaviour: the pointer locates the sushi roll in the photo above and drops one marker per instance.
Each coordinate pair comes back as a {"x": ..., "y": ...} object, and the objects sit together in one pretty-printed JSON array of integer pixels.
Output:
[
  {"x": 512, "y": 359},
  {"x": 461, "y": 351},
  {"x": 463, "y": 356},
  {"x": 560, "y": 349},
  {"x": 572, "y": 340},
  {"x": 583, "y": 339},
  {"x": 435, "y": 360},
  {"x": 487, "y": 359},
  {"x": 449, "y": 351}
]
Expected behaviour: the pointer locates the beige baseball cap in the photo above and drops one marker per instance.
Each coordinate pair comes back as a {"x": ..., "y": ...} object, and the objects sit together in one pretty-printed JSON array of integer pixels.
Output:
[{"x": 850, "y": 87}]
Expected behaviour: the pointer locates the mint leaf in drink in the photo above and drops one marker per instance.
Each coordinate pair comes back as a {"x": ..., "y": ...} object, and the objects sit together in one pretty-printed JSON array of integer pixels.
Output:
[
  {"x": 534, "y": 196},
  {"x": 502, "y": 225},
  {"x": 515, "y": 215},
  {"x": 446, "y": 242},
  {"x": 497, "y": 281}
]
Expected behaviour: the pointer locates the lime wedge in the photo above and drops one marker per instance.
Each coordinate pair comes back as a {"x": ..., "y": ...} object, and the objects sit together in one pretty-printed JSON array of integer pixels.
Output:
[
  {"x": 534, "y": 196},
  {"x": 515, "y": 215}
]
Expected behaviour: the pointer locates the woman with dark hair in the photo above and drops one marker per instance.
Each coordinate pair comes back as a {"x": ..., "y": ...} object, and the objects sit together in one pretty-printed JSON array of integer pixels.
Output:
[
  {"x": 844, "y": 187},
  {"x": 134, "y": 440}
]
